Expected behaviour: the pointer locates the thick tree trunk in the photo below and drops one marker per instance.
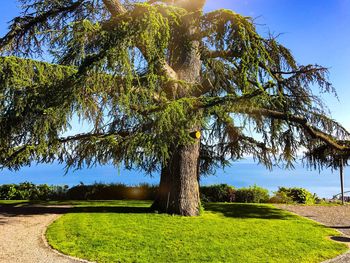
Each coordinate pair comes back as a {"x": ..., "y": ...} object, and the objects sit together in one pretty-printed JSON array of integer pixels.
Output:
[{"x": 179, "y": 187}]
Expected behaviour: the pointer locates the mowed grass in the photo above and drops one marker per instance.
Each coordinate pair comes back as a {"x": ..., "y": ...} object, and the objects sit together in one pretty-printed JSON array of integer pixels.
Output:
[{"x": 125, "y": 231}]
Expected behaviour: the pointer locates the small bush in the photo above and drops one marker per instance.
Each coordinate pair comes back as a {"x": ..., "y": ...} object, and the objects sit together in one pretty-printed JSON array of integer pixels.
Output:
[
  {"x": 8, "y": 192},
  {"x": 281, "y": 198},
  {"x": 252, "y": 194},
  {"x": 293, "y": 195},
  {"x": 217, "y": 193}
]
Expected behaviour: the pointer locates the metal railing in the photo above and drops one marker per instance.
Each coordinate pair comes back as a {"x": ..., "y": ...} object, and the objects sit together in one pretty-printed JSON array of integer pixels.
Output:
[{"x": 335, "y": 196}]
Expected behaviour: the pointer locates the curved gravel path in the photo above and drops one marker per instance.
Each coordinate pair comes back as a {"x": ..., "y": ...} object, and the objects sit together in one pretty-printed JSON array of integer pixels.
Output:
[
  {"x": 22, "y": 231},
  {"x": 337, "y": 217}
]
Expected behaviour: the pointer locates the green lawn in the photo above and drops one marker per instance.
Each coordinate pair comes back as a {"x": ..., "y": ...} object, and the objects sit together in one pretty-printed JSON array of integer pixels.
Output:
[{"x": 124, "y": 231}]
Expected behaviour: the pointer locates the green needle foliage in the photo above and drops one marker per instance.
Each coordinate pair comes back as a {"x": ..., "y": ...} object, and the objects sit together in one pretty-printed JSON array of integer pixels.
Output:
[{"x": 119, "y": 72}]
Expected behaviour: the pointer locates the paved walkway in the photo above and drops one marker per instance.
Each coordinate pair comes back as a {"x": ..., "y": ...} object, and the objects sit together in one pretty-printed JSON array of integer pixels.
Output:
[
  {"x": 21, "y": 234},
  {"x": 337, "y": 217}
]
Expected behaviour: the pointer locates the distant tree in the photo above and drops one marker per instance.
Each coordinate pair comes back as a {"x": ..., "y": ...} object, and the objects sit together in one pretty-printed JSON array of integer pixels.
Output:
[{"x": 150, "y": 78}]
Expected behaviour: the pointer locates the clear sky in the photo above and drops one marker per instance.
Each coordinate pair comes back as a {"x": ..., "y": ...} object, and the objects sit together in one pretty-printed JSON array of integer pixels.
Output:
[{"x": 317, "y": 31}]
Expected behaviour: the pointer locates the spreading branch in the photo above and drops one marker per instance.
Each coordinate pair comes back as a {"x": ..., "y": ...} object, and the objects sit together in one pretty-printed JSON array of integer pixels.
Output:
[
  {"x": 164, "y": 69},
  {"x": 114, "y": 7},
  {"x": 302, "y": 121}
]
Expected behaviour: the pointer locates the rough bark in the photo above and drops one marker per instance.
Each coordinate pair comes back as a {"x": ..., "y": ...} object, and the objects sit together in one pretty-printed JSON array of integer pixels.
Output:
[{"x": 179, "y": 187}]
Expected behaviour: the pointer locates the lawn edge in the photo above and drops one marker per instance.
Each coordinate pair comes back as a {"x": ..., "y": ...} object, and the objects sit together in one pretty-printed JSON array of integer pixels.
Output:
[
  {"x": 335, "y": 259},
  {"x": 48, "y": 246},
  {"x": 331, "y": 260}
]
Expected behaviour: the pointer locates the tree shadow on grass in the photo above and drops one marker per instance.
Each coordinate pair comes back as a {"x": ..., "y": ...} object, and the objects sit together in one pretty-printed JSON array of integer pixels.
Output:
[
  {"x": 248, "y": 211},
  {"x": 39, "y": 209},
  {"x": 340, "y": 227},
  {"x": 341, "y": 239},
  {"x": 229, "y": 210}
]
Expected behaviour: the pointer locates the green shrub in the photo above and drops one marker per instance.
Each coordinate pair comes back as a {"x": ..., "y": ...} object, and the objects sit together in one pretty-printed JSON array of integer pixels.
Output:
[
  {"x": 58, "y": 192},
  {"x": 213, "y": 193},
  {"x": 217, "y": 193},
  {"x": 44, "y": 192},
  {"x": 281, "y": 198},
  {"x": 25, "y": 191},
  {"x": 8, "y": 192},
  {"x": 294, "y": 195},
  {"x": 252, "y": 194},
  {"x": 79, "y": 192},
  {"x": 30, "y": 191}
]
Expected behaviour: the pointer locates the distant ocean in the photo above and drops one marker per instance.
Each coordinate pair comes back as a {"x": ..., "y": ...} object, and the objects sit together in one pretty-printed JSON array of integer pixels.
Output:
[{"x": 240, "y": 174}]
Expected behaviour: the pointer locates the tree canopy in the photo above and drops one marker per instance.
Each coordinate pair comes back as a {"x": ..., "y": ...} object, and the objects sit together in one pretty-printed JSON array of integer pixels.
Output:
[{"x": 118, "y": 66}]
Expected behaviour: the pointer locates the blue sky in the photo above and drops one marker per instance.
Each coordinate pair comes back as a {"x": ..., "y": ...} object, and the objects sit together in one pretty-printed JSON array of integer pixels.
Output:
[{"x": 317, "y": 31}]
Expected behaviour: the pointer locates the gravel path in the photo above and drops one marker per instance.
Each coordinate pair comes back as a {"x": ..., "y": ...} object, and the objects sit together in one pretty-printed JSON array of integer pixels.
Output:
[
  {"x": 337, "y": 217},
  {"x": 21, "y": 234}
]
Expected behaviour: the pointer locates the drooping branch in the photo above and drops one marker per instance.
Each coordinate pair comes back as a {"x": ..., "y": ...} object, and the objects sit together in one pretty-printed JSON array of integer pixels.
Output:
[
  {"x": 232, "y": 145},
  {"x": 84, "y": 136},
  {"x": 302, "y": 121},
  {"x": 322, "y": 155},
  {"x": 63, "y": 140},
  {"x": 22, "y": 25},
  {"x": 22, "y": 149},
  {"x": 207, "y": 86},
  {"x": 230, "y": 54},
  {"x": 303, "y": 70}
]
